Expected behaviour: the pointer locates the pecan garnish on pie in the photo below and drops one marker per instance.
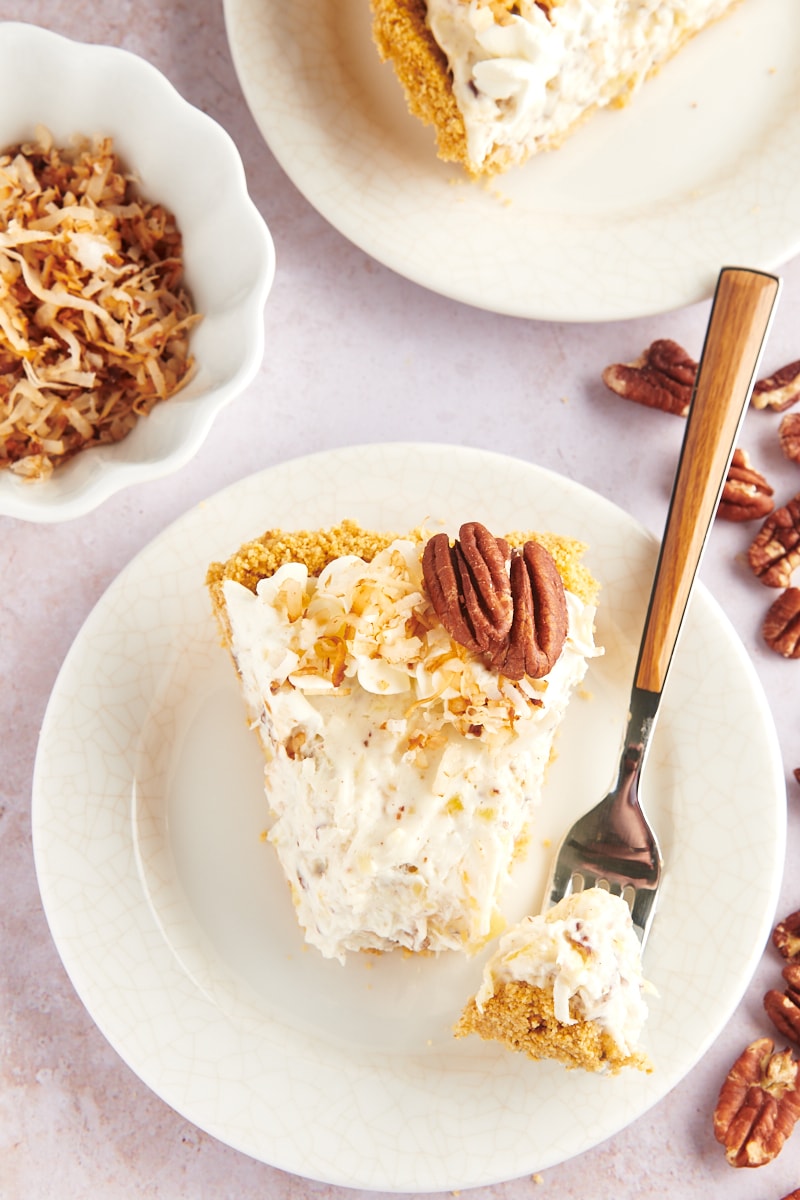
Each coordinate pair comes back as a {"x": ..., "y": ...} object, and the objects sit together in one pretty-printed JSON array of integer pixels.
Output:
[
  {"x": 746, "y": 495},
  {"x": 775, "y": 551},
  {"x": 662, "y": 377},
  {"x": 539, "y": 627},
  {"x": 758, "y": 1104},
  {"x": 781, "y": 628},
  {"x": 513, "y": 616},
  {"x": 780, "y": 390},
  {"x": 469, "y": 586}
]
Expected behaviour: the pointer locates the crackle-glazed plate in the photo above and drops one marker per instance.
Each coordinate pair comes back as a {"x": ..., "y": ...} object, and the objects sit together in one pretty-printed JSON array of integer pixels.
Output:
[
  {"x": 176, "y": 927},
  {"x": 634, "y": 214}
]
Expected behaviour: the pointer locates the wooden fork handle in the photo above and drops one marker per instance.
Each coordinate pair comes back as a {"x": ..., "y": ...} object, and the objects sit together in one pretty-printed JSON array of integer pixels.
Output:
[{"x": 740, "y": 318}]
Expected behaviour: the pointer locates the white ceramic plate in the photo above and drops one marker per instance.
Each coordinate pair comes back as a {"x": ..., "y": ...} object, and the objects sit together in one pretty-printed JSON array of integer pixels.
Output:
[
  {"x": 635, "y": 214},
  {"x": 176, "y": 927}
]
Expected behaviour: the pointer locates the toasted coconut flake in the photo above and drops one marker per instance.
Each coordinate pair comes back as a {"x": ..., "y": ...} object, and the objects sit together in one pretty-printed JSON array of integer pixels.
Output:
[{"x": 94, "y": 315}]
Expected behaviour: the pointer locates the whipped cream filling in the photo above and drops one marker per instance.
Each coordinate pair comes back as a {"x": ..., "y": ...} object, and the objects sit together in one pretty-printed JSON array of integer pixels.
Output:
[
  {"x": 586, "y": 951},
  {"x": 400, "y": 772},
  {"x": 522, "y": 79}
]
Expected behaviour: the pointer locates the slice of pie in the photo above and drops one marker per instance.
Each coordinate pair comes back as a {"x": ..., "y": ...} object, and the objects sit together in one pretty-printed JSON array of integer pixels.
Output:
[
  {"x": 500, "y": 80},
  {"x": 406, "y": 692}
]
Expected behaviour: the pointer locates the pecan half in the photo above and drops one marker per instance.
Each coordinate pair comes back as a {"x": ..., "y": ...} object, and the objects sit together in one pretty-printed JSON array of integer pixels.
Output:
[
  {"x": 786, "y": 936},
  {"x": 783, "y": 1008},
  {"x": 485, "y": 585},
  {"x": 746, "y": 495},
  {"x": 775, "y": 550},
  {"x": 539, "y": 626},
  {"x": 662, "y": 377},
  {"x": 442, "y": 579},
  {"x": 780, "y": 390},
  {"x": 789, "y": 436},
  {"x": 758, "y": 1105},
  {"x": 469, "y": 586},
  {"x": 781, "y": 628}
]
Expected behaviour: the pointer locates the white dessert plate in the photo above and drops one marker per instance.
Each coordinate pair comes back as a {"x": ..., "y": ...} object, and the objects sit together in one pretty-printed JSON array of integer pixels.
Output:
[
  {"x": 172, "y": 919},
  {"x": 634, "y": 215}
]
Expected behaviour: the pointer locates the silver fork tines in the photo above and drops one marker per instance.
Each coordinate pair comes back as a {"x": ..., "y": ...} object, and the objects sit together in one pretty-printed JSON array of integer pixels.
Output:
[{"x": 612, "y": 846}]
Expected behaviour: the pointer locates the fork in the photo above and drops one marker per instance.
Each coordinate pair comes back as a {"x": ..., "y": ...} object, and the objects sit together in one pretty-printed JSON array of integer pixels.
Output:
[{"x": 613, "y": 846}]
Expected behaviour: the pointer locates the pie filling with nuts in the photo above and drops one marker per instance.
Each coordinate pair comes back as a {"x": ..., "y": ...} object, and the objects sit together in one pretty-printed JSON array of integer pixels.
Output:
[
  {"x": 500, "y": 80},
  {"x": 406, "y": 692}
]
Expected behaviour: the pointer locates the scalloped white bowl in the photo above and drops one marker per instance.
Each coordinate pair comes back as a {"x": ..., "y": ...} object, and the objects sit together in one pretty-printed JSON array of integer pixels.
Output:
[{"x": 185, "y": 160}]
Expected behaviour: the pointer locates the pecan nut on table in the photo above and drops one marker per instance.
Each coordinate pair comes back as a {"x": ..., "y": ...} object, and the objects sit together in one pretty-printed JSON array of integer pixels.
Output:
[
  {"x": 515, "y": 618},
  {"x": 661, "y": 377},
  {"x": 775, "y": 551},
  {"x": 746, "y": 495},
  {"x": 786, "y": 934},
  {"x": 780, "y": 390},
  {"x": 759, "y": 1101},
  {"x": 789, "y": 436},
  {"x": 783, "y": 1008},
  {"x": 781, "y": 628},
  {"x": 758, "y": 1104}
]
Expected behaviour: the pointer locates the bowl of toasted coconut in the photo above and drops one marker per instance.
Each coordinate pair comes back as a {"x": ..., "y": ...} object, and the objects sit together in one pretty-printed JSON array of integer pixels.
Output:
[{"x": 134, "y": 270}]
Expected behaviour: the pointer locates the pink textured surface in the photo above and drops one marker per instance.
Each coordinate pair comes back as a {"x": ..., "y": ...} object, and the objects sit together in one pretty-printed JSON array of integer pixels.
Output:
[{"x": 354, "y": 354}]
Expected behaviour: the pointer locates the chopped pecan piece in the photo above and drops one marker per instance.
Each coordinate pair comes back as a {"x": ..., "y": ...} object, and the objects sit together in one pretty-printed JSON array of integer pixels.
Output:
[
  {"x": 789, "y": 436},
  {"x": 746, "y": 495},
  {"x": 781, "y": 628},
  {"x": 797, "y": 774},
  {"x": 795, "y": 1195},
  {"x": 780, "y": 390},
  {"x": 775, "y": 550},
  {"x": 758, "y": 1104},
  {"x": 663, "y": 377},
  {"x": 786, "y": 936},
  {"x": 783, "y": 1008}
]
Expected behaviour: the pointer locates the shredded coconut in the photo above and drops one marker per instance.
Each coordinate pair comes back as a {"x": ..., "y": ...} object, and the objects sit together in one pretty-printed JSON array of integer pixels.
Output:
[{"x": 94, "y": 314}]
